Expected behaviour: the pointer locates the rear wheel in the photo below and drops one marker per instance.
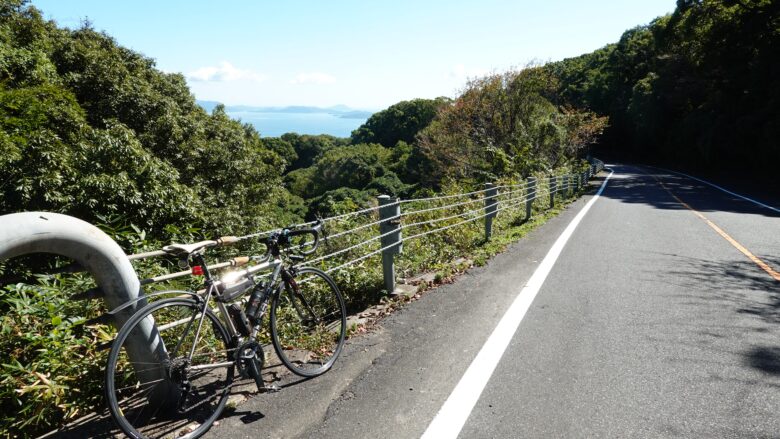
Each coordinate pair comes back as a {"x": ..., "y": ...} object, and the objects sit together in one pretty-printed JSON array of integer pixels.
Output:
[
  {"x": 308, "y": 322},
  {"x": 171, "y": 394}
]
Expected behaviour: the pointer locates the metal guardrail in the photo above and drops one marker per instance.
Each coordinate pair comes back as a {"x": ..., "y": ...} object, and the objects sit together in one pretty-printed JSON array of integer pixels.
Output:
[
  {"x": 393, "y": 222},
  {"x": 120, "y": 288}
]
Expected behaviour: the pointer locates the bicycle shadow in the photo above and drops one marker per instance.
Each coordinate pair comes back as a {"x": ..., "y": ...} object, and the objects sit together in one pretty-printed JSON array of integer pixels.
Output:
[
  {"x": 99, "y": 425},
  {"x": 96, "y": 425},
  {"x": 765, "y": 359},
  {"x": 276, "y": 378}
]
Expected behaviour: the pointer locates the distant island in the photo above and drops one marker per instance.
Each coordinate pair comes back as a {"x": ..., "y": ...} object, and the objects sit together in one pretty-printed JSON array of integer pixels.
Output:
[
  {"x": 341, "y": 111},
  {"x": 338, "y": 120}
]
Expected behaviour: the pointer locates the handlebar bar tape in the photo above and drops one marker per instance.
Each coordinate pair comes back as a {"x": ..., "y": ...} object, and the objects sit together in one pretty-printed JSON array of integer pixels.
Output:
[
  {"x": 226, "y": 240},
  {"x": 239, "y": 261}
]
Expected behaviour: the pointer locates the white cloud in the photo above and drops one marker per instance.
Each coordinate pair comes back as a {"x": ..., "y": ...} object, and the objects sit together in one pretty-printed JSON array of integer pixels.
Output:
[
  {"x": 313, "y": 78},
  {"x": 225, "y": 72},
  {"x": 460, "y": 72}
]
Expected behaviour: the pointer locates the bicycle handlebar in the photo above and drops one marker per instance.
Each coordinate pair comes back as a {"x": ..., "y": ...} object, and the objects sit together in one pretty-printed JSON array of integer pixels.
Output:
[
  {"x": 314, "y": 231},
  {"x": 226, "y": 240}
]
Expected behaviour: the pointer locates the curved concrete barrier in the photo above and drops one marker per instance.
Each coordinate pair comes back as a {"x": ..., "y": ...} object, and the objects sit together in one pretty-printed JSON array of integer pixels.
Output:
[{"x": 44, "y": 232}]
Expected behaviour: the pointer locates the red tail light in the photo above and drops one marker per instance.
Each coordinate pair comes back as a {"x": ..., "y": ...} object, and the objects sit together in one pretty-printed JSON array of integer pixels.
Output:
[{"x": 197, "y": 270}]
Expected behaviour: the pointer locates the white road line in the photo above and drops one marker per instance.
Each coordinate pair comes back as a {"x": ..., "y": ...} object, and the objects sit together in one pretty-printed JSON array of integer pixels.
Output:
[
  {"x": 453, "y": 414},
  {"x": 718, "y": 187}
]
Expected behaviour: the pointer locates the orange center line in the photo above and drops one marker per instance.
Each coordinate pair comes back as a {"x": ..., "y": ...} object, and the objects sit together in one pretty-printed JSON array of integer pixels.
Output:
[{"x": 763, "y": 265}]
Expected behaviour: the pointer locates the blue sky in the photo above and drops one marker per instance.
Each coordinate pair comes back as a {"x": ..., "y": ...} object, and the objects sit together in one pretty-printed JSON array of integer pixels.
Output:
[{"x": 365, "y": 54}]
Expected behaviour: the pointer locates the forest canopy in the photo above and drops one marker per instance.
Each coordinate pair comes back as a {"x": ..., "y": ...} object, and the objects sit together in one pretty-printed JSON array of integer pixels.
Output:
[
  {"x": 697, "y": 89},
  {"x": 93, "y": 129},
  {"x": 90, "y": 128}
]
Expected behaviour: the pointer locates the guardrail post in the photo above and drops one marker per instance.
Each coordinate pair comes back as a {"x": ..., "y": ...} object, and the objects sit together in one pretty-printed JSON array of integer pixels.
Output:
[
  {"x": 491, "y": 208},
  {"x": 576, "y": 179},
  {"x": 565, "y": 185},
  {"x": 552, "y": 183},
  {"x": 530, "y": 196},
  {"x": 390, "y": 215}
]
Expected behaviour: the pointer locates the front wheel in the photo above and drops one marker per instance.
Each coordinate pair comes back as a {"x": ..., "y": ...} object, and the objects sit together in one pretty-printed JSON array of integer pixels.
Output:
[
  {"x": 179, "y": 389},
  {"x": 308, "y": 322}
]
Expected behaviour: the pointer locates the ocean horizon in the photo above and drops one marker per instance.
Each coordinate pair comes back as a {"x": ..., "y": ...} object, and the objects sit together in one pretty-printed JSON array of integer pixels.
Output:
[{"x": 276, "y": 123}]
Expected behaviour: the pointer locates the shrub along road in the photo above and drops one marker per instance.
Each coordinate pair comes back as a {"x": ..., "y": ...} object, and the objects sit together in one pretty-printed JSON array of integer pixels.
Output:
[{"x": 651, "y": 323}]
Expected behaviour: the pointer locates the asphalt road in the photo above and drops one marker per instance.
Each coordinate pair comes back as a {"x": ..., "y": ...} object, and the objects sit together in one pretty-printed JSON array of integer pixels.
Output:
[{"x": 650, "y": 324}]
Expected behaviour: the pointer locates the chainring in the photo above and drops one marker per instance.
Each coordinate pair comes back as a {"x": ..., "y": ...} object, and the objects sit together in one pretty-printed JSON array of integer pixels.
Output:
[{"x": 249, "y": 350}]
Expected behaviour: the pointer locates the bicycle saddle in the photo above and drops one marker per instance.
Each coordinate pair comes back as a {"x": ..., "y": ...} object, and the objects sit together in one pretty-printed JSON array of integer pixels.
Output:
[{"x": 187, "y": 249}]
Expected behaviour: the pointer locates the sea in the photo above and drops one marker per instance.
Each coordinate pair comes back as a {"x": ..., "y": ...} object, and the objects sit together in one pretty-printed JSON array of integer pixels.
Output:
[{"x": 274, "y": 124}]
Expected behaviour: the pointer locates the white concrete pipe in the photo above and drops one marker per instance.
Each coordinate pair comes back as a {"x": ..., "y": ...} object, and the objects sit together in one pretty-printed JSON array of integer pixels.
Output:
[{"x": 43, "y": 232}]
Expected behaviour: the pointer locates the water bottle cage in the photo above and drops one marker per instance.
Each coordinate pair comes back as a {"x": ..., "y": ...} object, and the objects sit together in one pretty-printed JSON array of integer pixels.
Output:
[{"x": 242, "y": 323}]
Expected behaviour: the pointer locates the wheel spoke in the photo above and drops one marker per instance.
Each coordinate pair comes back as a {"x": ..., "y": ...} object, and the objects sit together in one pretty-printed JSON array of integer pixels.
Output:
[
  {"x": 308, "y": 324},
  {"x": 154, "y": 399}
]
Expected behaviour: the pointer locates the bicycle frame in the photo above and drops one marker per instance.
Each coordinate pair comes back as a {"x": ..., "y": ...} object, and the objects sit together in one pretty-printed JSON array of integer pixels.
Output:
[
  {"x": 275, "y": 266},
  {"x": 201, "y": 357}
]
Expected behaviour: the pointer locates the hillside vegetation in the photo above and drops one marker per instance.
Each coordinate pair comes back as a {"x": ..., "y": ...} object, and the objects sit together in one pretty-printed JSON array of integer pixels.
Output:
[
  {"x": 92, "y": 129},
  {"x": 697, "y": 89}
]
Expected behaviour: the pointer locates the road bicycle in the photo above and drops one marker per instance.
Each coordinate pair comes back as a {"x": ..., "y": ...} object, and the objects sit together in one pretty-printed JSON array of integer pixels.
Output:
[{"x": 202, "y": 339}]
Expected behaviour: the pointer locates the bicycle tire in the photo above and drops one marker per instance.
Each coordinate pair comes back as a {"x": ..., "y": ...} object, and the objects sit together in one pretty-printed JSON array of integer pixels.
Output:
[
  {"x": 146, "y": 400},
  {"x": 308, "y": 334}
]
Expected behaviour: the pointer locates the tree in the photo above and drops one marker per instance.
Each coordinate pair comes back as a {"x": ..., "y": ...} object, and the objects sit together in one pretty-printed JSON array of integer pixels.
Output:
[
  {"x": 353, "y": 166},
  {"x": 696, "y": 88},
  {"x": 283, "y": 148},
  {"x": 506, "y": 125},
  {"x": 91, "y": 128},
  {"x": 399, "y": 122},
  {"x": 309, "y": 148}
]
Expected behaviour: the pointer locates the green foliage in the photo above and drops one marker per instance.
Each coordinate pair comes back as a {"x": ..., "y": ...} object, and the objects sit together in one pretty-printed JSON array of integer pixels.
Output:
[
  {"x": 339, "y": 201},
  {"x": 696, "y": 88},
  {"x": 382, "y": 158},
  {"x": 353, "y": 166},
  {"x": 506, "y": 125},
  {"x": 51, "y": 371},
  {"x": 400, "y": 122},
  {"x": 351, "y": 175},
  {"x": 299, "y": 181},
  {"x": 389, "y": 184},
  {"x": 90, "y": 128},
  {"x": 283, "y": 148},
  {"x": 310, "y": 148}
]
